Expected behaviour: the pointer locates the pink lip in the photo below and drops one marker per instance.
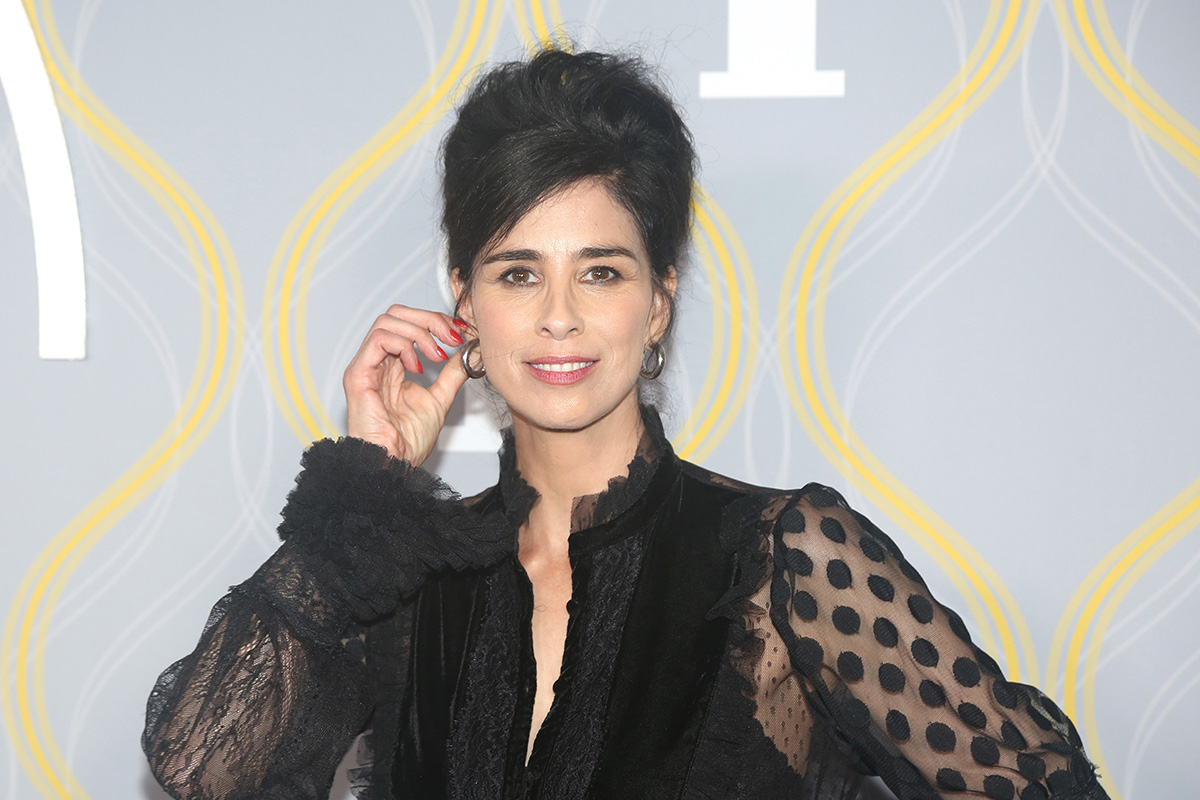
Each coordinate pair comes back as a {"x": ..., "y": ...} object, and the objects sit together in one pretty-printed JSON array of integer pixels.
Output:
[{"x": 561, "y": 378}]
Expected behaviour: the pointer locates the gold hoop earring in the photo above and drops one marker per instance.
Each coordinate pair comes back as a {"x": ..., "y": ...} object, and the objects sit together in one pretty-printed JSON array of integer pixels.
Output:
[
  {"x": 465, "y": 355},
  {"x": 655, "y": 352}
]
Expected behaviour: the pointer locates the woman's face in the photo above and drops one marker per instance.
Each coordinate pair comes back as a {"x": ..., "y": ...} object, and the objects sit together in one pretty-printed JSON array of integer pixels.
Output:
[{"x": 564, "y": 307}]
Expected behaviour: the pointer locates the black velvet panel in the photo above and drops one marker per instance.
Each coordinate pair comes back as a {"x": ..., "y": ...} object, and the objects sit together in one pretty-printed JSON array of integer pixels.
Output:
[{"x": 671, "y": 653}]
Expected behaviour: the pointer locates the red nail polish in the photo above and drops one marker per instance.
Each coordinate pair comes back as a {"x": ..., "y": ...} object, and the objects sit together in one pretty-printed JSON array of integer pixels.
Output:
[
  {"x": 441, "y": 354},
  {"x": 420, "y": 369},
  {"x": 454, "y": 337},
  {"x": 460, "y": 323}
]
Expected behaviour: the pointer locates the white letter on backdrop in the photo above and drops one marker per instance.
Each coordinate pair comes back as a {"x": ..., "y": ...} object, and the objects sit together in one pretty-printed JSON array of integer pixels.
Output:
[
  {"x": 773, "y": 53},
  {"x": 57, "y": 243}
]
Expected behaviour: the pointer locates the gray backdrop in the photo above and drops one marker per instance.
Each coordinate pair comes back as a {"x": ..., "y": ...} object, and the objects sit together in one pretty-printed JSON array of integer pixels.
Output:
[{"x": 946, "y": 262}]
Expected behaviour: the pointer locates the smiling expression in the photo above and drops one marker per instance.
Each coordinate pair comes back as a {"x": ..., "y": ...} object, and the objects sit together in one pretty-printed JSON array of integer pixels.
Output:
[{"x": 564, "y": 307}]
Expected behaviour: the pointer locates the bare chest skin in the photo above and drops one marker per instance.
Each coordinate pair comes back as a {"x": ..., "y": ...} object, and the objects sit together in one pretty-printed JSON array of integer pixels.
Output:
[{"x": 550, "y": 576}]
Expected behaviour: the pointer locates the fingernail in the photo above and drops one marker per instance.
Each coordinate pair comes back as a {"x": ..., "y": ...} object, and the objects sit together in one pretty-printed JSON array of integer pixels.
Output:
[
  {"x": 420, "y": 369},
  {"x": 454, "y": 337},
  {"x": 460, "y": 323},
  {"x": 441, "y": 354}
]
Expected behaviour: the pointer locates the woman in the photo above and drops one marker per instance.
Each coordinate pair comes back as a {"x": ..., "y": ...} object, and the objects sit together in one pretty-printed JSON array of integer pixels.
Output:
[{"x": 607, "y": 621}]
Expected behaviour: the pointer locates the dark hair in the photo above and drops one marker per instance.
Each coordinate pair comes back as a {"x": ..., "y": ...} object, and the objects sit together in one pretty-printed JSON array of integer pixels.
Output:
[{"x": 530, "y": 128}]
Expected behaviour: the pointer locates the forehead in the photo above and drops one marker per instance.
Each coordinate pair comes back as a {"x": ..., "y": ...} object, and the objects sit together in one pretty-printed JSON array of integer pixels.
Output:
[{"x": 580, "y": 215}]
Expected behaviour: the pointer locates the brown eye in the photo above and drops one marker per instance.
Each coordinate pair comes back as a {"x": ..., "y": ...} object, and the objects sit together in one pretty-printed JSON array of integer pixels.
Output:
[
  {"x": 601, "y": 274},
  {"x": 518, "y": 276}
]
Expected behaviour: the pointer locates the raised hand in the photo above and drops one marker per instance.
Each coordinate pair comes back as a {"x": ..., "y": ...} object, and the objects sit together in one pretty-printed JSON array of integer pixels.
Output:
[{"x": 384, "y": 406}]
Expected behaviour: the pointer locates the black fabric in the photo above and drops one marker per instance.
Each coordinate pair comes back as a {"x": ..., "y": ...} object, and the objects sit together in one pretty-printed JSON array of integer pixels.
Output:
[{"x": 725, "y": 641}]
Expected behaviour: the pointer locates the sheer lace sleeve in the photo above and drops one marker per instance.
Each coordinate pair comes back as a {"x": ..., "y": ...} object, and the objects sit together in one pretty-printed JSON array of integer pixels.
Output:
[
  {"x": 269, "y": 701},
  {"x": 895, "y": 674}
]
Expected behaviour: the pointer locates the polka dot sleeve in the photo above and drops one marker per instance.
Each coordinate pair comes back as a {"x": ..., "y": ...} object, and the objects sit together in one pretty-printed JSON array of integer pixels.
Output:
[{"x": 895, "y": 673}]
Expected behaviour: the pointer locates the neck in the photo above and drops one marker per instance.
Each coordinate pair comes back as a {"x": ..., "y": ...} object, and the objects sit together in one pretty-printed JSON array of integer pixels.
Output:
[{"x": 564, "y": 465}]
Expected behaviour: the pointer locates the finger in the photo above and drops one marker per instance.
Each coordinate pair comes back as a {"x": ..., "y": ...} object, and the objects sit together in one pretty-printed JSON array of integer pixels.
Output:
[
  {"x": 448, "y": 383},
  {"x": 380, "y": 347},
  {"x": 422, "y": 331}
]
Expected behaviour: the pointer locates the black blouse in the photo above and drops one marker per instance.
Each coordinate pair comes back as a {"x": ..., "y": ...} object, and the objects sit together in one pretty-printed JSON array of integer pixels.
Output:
[{"x": 724, "y": 641}]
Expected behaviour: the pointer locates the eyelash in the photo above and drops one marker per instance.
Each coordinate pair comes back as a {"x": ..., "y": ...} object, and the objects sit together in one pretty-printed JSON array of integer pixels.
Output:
[{"x": 508, "y": 275}]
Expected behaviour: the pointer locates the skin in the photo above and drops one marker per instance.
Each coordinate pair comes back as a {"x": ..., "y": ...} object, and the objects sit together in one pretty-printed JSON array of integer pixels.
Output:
[{"x": 570, "y": 283}]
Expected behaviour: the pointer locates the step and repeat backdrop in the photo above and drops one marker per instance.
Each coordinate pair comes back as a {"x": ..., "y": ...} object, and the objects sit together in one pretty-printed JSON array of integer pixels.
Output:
[{"x": 946, "y": 258}]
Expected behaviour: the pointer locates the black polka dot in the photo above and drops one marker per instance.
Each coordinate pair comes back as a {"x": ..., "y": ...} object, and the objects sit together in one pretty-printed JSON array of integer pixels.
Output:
[
  {"x": 833, "y": 530},
  {"x": 872, "y": 549},
  {"x": 924, "y": 652},
  {"x": 1034, "y": 791},
  {"x": 881, "y": 587},
  {"x": 957, "y": 625},
  {"x": 821, "y": 496},
  {"x": 891, "y": 678},
  {"x": 972, "y": 715},
  {"x": 1060, "y": 781},
  {"x": 838, "y": 574},
  {"x": 797, "y": 561},
  {"x": 1039, "y": 718},
  {"x": 1062, "y": 748},
  {"x": 1005, "y": 694},
  {"x": 951, "y": 780},
  {"x": 846, "y": 620},
  {"x": 984, "y": 751},
  {"x": 808, "y": 651},
  {"x": 986, "y": 662},
  {"x": 1031, "y": 766},
  {"x": 940, "y": 737},
  {"x": 921, "y": 608},
  {"x": 1012, "y": 736},
  {"x": 855, "y": 713},
  {"x": 792, "y": 520},
  {"x": 850, "y": 666},
  {"x": 805, "y": 605},
  {"x": 885, "y": 632},
  {"x": 998, "y": 787},
  {"x": 911, "y": 572},
  {"x": 1054, "y": 711},
  {"x": 966, "y": 671},
  {"x": 932, "y": 694},
  {"x": 897, "y": 725}
]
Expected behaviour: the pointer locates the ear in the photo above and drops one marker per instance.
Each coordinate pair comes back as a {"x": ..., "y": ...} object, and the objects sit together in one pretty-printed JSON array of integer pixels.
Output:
[
  {"x": 660, "y": 310},
  {"x": 465, "y": 310}
]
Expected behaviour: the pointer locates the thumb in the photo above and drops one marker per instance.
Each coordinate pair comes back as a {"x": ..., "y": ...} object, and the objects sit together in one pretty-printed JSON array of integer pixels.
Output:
[{"x": 448, "y": 383}]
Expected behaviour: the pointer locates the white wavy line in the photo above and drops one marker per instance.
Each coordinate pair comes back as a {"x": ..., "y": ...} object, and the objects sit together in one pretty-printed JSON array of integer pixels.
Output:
[
  {"x": 1151, "y": 720},
  {"x": 1015, "y": 199},
  {"x": 10, "y": 174},
  {"x": 1144, "y": 146},
  {"x": 1137, "y": 616},
  {"x": 394, "y": 282},
  {"x": 120, "y": 561}
]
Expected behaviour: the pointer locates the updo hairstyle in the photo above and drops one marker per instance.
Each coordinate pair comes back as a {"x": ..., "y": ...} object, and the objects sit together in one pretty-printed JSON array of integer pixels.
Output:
[{"x": 530, "y": 128}]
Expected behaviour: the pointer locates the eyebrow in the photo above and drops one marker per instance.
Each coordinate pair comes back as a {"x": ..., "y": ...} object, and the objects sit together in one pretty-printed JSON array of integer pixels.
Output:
[{"x": 583, "y": 254}]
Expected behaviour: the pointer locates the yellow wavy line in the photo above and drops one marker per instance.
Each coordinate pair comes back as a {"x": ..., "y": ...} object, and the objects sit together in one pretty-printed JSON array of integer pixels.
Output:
[
  {"x": 716, "y": 225},
  {"x": 1154, "y": 116},
  {"x": 56, "y": 563},
  {"x": 333, "y": 197},
  {"x": 684, "y": 436},
  {"x": 849, "y": 454},
  {"x": 547, "y": 38},
  {"x": 1106, "y": 584}
]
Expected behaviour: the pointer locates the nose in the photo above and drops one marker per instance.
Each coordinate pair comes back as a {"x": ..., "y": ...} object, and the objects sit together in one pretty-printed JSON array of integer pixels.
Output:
[{"x": 560, "y": 314}]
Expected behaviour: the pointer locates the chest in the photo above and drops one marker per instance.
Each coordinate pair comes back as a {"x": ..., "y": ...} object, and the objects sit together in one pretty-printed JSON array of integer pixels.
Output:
[{"x": 640, "y": 661}]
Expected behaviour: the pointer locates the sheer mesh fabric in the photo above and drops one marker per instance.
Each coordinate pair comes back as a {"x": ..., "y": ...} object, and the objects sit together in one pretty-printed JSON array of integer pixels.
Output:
[
  {"x": 838, "y": 663},
  {"x": 852, "y": 639}
]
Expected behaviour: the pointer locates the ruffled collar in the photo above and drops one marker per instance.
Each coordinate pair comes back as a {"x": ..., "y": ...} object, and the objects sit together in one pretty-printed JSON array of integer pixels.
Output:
[{"x": 591, "y": 510}]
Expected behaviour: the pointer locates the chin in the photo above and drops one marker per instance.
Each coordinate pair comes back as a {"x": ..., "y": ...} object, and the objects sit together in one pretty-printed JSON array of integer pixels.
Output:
[{"x": 574, "y": 414}]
